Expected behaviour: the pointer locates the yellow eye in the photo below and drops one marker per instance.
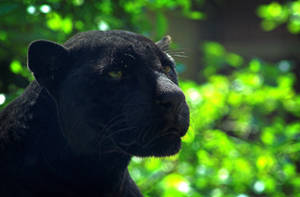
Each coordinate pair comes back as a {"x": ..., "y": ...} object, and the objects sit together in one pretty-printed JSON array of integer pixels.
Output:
[
  {"x": 167, "y": 69},
  {"x": 115, "y": 74}
]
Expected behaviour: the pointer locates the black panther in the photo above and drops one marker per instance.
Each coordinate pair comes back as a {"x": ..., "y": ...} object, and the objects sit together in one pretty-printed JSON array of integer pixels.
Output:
[{"x": 96, "y": 101}]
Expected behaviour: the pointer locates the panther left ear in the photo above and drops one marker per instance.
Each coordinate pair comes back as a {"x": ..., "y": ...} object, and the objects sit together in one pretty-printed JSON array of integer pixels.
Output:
[
  {"x": 46, "y": 60},
  {"x": 164, "y": 43}
]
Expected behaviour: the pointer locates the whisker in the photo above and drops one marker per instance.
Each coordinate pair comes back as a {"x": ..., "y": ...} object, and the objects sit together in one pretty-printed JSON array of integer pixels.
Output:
[
  {"x": 110, "y": 124},
  {"x": 174, "y": 52},
  {"x": 117, "y": 148},
  {"x": 145, "y": 133},
  {"x": 136, "y": 104},
  {"x": 180, "y": 56},
  {"x": 119, "y": 131},
  {"x": 156, "y": 136}
]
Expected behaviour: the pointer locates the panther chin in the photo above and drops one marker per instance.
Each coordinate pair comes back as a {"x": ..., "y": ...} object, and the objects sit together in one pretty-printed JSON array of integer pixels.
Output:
[
  {"x": 167, "y": 145},
  {"x": 163, "y": 145}
]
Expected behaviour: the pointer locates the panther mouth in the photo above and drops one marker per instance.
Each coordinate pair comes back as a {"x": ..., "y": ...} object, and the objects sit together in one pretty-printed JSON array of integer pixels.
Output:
[{"x": 173, "y": 132}]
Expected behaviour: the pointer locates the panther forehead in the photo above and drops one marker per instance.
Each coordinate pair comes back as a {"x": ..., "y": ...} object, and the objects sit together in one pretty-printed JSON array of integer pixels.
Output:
[
  {"x": 116, "y": 49},
  {"x": 107, "y": 39},
  {"x": 112, "y": 45}
]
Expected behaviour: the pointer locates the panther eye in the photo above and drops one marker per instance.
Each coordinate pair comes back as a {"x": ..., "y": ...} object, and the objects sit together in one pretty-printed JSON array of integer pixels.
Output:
[
  {"x": 167, "y": 69},
  {"x": 115, "y": 74}
]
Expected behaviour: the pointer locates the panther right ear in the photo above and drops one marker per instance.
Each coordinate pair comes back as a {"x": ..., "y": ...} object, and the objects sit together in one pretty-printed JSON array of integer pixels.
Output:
[
  {"x": 46, "y": 60},
  {"x": 164, "y": 43}
]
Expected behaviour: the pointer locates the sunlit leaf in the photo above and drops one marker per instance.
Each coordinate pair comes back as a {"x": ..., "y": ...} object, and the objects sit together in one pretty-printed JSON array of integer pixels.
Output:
[
  {"x": 234, "y": 59},
  {"x": 67, "y": 25},
  {"x": 153, "y": 163},
  {"x": 267, "y": 137},
  {"x": 265, "y": 162},
  {"x": 214, "y": 48},
  {"x": 294, "y": 26},
  {"x": 195, "y": 15},
  {"x": 16, "y": 67},
  {"x": 78, "y": 2}
]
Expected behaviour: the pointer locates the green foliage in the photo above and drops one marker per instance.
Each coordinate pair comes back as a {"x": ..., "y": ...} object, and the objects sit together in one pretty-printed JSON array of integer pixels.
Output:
[
  {"x": 275, "y": 14},
  {"x": 244, "y": 138},
  {"x": 217, "y": 59},
  {"x": 16, "y": 68}
]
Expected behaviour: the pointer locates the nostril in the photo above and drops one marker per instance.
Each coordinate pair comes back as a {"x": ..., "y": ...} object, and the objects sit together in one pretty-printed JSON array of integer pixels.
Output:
[
  {"x": 168, "y": 95},
  {"x": 169, "y": 102}
]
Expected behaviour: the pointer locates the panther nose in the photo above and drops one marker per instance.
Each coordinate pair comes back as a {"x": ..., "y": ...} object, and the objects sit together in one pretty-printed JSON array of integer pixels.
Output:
[
  {"x": 170, "y": 100},
  {"x": 169, "y": 95}
]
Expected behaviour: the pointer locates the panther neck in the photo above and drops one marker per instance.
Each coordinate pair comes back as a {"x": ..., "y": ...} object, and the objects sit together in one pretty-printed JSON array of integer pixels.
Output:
[{"x": 25, "y": 119}]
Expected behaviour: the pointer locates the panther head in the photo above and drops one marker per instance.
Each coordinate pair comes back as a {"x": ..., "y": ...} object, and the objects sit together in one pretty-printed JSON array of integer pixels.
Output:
[{"x": 114, "y": 91}]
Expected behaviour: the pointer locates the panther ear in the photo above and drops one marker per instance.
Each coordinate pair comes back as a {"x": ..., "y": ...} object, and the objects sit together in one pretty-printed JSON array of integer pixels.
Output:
[
  {"x": 164, "y": 43},
  {"x": 46, "y": 60}
]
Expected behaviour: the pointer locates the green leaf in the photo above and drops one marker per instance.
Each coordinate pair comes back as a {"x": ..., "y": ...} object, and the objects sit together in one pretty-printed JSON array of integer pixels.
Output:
[{"x": 16, "y": 67}]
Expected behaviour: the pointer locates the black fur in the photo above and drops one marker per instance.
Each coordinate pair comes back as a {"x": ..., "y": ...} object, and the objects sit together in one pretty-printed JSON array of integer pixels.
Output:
[{"x": 76, "y": 127}]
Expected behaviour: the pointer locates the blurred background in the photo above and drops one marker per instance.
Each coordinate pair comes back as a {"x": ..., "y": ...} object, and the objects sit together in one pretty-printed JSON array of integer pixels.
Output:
[{"x": 239, "y": 66}]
